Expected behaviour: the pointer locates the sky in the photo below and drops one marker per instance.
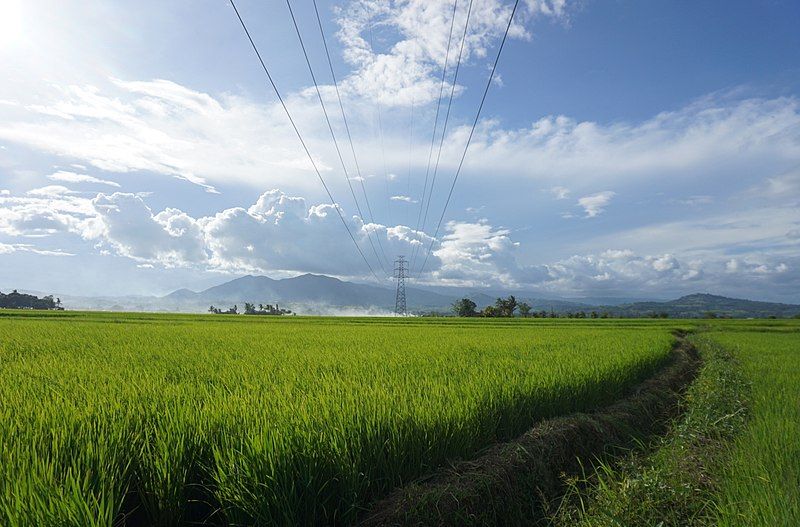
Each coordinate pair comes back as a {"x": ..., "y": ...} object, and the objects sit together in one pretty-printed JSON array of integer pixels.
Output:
[{"x": 629, "y": 149}]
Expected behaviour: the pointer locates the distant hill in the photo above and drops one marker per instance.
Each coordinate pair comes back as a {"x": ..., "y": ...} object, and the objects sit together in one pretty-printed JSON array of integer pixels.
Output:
[
  {"x": 701, "y": 304},
  {"x": 308, "y": 289},
  {"x": 325, "y": 295}
]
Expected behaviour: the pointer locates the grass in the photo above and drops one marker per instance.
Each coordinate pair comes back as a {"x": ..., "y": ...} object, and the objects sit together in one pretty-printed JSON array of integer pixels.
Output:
[
  {"x": 760, "y": 477},
  {"x": 174, "y": 419},
  {"x": 732, "y": 459}
]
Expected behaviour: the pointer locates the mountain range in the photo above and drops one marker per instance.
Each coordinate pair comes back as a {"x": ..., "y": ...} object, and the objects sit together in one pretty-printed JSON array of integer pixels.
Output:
[
  {"x": 310, "y": 293},
  {"x": 325, "y": 295}
]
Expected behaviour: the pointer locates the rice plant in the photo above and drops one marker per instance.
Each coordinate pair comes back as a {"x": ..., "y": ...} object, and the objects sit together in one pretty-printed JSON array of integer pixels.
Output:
[{"x": 166, "y": 419}]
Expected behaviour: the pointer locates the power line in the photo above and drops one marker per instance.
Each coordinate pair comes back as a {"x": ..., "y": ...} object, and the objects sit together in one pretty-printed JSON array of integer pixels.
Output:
[
  {"x": 330, "y": 128},
  {"x": 302, "y": 141},
  {"x": 380, "y": 132},
  {"x": 347, "y": 127},
  {"x": 469, "y": 139},
  {"x": 435, "y": 124},
  {"x": 410, "y": 155},
  {"x": 447, "y": 117}
]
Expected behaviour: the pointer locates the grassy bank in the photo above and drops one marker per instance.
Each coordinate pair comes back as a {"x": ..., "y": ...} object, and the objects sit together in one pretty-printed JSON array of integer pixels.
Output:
[
  {"x": 759, "y": 482},
  {"x": 732, "y": 459}
]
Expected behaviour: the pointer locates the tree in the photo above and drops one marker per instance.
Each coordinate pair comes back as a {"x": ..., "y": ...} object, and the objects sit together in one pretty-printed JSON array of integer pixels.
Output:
[
  {"x": 524, "y": 309},
  {"x": 490, "y": 311},
  {"x": 465, "y": 308},
  {"x": 506, "y": 306}
]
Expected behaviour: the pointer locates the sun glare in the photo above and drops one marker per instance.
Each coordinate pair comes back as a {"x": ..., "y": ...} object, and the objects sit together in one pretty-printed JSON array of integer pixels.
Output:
[{"x": 10, "y": 23}]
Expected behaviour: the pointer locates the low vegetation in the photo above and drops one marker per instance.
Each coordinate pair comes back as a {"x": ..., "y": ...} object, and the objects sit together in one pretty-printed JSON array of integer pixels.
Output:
[
  {"x": 759, "y": 481},
  {"x": 731, "y": 459}
]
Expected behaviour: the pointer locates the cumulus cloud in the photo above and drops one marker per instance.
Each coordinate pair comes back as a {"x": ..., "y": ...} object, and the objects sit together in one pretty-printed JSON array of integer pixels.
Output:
[
  {"x": 594, "y": 205},
  {"x": 41, "y": 214},
  {"x": 72, "y": 177},
  {"x": 407, "y": 199},
  {"x": 273, "y": 234},
  {"x": 755, "y": 266},
  {"x": 473, "y": 253}
]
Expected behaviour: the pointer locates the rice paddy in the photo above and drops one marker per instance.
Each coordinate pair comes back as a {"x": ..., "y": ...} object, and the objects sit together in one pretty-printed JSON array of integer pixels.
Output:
[{"x": 162, "y": 419}]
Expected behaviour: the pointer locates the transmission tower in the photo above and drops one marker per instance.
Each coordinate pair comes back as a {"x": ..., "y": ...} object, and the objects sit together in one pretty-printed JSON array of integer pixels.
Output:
[{"x": 400, "y": 300}]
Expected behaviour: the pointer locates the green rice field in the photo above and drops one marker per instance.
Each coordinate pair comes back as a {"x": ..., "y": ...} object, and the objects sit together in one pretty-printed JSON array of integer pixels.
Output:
[
  {"x": 110, "y": 419},
  {"x": 168, "y": 419}
]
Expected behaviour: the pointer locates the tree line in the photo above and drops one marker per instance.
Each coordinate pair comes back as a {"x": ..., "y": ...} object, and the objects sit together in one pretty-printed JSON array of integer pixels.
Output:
[
  {"x": 509, "y": 307},
  {"x": 250, "y": 309},
  {"x": 17, "y": 300}
]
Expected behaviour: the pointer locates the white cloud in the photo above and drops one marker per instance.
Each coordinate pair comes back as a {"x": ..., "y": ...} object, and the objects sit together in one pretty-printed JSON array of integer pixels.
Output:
[
  {"x": 595, "y": 204},
  {"x": 407, "y": 199},
  {"x": 8, "y": 248},
  {"x": 755, "y": 266},
  {"x": 52, "y": 191},
  {"x": 163, "y": 127},
  {"x": 72, "y": 177},
  {"x": 474, "y": 254},
  {"x": 560, "y": 192},
  {"x": 271, "y": 235},
  {"x": 166, "y": 128},
  {"x": 409, "y": 70},
  {"x": 43, "y": 214},
  {"x": 718, "y": 139}
]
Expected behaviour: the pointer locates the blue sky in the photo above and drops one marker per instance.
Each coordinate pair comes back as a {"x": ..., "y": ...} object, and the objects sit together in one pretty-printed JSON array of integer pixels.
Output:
[{"x": 638, "y": 149}]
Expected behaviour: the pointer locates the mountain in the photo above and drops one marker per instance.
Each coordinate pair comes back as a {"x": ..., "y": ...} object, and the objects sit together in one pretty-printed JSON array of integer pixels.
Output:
[
  {"x": 325, "y": 295},
  {"x": 310, "y": 293},
  {"x": 701, "y": 304},
  {"x": 308, "y": 290}
]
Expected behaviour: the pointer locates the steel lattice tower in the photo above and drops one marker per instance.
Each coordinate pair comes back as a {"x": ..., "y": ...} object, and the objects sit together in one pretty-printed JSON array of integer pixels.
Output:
[{"x": 400, "y": 300}]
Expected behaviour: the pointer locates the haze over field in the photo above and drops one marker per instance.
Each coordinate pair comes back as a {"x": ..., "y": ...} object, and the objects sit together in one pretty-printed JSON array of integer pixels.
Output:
[{"x": 625, "y": 149}]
